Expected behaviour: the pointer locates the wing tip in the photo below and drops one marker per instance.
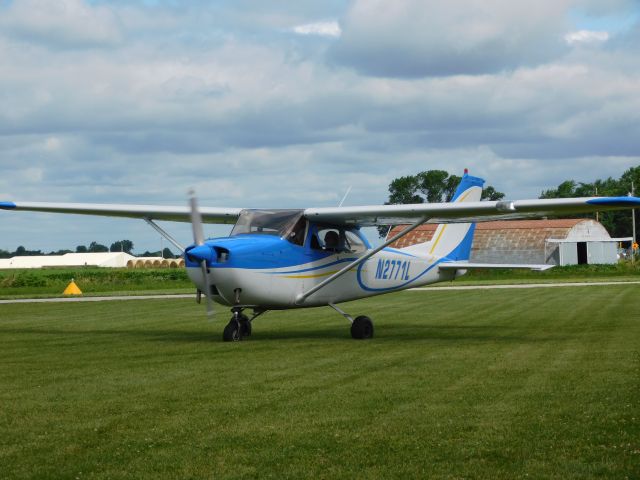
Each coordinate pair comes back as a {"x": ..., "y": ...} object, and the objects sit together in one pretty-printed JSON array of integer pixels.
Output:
[
  {"x": 7, "y": 205},
  {"x": 615, "y": 201}
]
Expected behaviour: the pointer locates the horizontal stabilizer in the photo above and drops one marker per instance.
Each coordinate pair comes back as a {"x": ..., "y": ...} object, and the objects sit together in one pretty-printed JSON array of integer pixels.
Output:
[{"x": 472, "y": 266}]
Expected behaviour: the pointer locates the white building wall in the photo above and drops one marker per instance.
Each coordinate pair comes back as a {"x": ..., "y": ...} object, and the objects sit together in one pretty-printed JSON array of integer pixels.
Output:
[
  {"x": 588, "y": 231},
  {"x": 107, "y": 259}
]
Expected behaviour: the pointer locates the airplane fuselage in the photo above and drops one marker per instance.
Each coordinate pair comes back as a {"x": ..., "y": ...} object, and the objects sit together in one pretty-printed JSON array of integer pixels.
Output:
[{"x": 270, "y": 272}]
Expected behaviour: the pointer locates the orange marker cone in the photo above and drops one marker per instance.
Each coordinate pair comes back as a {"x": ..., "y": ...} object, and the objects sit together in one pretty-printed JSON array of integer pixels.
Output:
[{"x": 72, "y": 289}]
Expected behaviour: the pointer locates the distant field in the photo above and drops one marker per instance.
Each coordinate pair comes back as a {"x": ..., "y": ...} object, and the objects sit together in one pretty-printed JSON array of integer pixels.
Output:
[
  {"x": 100, "y": 281},
  {"x": 488, "y": 384}
]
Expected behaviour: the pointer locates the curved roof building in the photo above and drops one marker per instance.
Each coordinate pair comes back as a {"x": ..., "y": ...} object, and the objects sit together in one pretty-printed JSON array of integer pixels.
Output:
[{"x": 558, "y": 241}]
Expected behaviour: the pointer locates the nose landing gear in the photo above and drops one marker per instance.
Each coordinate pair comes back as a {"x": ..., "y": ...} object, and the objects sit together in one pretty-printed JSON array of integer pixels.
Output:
[{"x": 240, "y": 325}]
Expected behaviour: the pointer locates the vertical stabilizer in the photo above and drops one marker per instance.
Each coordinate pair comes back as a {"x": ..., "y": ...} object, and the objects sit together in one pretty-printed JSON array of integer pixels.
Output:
[{"x": 453, "y": 240}]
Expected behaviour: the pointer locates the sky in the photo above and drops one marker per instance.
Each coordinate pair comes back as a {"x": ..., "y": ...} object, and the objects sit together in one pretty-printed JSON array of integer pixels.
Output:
[{"x": 288, "y": 104}]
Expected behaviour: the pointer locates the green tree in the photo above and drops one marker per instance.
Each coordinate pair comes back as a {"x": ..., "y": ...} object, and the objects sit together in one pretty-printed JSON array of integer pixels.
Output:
[
  {"x": 23, "y": 252},
  {"x": 59, "y": 252},
  {"x": 95, "y": 247},
  {"x": 566, "y": 189},
  {"x": 403, "y": 190},
  {"x": 81, "y": 249},
  {"x": 122, "y": 246},
  {"x": 434, "y": 185},
  {"x": 491, "y": 194}
]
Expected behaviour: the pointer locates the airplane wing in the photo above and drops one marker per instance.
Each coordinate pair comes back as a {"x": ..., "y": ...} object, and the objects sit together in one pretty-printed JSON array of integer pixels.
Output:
[
  {"x": 457, "y": 212},
  {"x": 463, "y": 212},
  {"x": 151, "y": 212}
]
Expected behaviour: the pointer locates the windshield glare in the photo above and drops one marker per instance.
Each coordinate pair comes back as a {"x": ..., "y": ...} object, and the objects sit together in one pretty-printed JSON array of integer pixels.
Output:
[{"x": 267, "y": 222}]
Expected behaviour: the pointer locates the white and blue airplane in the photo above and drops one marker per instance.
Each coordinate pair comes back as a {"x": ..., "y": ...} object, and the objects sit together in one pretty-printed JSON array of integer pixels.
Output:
[{"x": 282, "y": 259}]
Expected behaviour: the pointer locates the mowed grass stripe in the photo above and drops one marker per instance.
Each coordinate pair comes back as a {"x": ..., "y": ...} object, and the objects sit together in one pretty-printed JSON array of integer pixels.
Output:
[{"x": 485, "y": 384}]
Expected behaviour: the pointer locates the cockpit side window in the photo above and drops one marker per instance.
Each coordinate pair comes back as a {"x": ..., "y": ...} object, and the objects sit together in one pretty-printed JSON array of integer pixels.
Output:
[
  {"x": 337, "y": 240},
  {"x": 298, "y": 232}
]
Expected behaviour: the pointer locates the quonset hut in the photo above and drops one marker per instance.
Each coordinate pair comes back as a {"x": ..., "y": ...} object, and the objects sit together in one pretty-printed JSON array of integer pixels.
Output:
[{"x": 556, "y": 242}]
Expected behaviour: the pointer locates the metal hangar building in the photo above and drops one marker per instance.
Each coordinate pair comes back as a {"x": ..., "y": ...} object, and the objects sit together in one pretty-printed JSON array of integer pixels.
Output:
[{"x": 555, "y": 242}]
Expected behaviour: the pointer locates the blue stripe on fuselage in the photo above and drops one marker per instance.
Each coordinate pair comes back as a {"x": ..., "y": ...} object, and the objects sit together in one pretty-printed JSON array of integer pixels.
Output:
[{"x": 319, "y": 267}]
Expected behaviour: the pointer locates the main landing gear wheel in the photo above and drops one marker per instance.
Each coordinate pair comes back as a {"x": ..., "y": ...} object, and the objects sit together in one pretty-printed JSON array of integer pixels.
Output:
[
  {"x": 233, "y": 331},
  {"x": 362, "y": 328}
]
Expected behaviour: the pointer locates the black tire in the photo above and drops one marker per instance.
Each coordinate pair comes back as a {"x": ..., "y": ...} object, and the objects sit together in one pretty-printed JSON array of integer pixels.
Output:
[
  {"x": 362, "y": 328},
  {"x": 232, "y": 332},
  {"x": 245, "y": 327}
]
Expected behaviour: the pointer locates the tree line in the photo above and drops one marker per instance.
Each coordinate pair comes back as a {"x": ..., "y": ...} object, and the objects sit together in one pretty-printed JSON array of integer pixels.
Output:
[{"x": 125, "y": 246}]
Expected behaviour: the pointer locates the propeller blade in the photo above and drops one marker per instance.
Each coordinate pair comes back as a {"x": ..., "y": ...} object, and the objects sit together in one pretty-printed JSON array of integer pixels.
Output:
[
  {"x": 196, "y": 220},
  {"x": 198, "y": 238}
]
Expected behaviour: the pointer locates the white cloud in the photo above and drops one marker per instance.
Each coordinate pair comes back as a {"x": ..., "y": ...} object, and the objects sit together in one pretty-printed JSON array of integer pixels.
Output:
[
  {"x": 261, "y": 119},
  {"x": 323, "y": 29},
  {"x": 52, "y": 144},
  {"x": 63, "y": 23},
  {"x": 586, "y": 37},
  {"x": 417, "y": 38}
]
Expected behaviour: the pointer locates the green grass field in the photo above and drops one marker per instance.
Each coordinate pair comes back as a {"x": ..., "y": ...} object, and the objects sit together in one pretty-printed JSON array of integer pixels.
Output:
[{"x": 489, "y": 384}]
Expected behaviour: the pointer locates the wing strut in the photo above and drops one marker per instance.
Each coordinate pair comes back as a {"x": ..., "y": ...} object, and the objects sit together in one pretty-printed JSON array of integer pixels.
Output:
[
  {"x": 303, "y": 296},
  {"x": 162, "y": 232}
]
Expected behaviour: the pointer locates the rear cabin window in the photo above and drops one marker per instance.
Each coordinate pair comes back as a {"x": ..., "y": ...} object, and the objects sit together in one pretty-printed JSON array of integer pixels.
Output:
[{"x": 337, "y": 240}]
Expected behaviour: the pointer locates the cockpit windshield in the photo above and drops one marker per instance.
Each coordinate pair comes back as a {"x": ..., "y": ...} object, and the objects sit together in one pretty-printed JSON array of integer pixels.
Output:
[{"x": 283, "y": 223}]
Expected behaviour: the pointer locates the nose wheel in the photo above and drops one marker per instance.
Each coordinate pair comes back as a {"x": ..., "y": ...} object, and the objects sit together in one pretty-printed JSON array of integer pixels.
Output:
[
  {"x": 232, "y": 332},
  {"x": 239, "y": 326}
]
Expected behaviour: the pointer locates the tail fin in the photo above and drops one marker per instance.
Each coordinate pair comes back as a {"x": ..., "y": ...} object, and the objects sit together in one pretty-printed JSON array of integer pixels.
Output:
[{"x": 453, "y": 240}]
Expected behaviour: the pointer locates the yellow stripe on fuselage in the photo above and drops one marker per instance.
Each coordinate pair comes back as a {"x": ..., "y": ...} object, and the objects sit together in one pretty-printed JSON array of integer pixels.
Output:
[{"x": 317, "y": 275}]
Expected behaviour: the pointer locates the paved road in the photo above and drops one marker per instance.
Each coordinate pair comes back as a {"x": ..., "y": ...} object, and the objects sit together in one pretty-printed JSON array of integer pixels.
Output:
[{"x": 192, "y": 295}]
